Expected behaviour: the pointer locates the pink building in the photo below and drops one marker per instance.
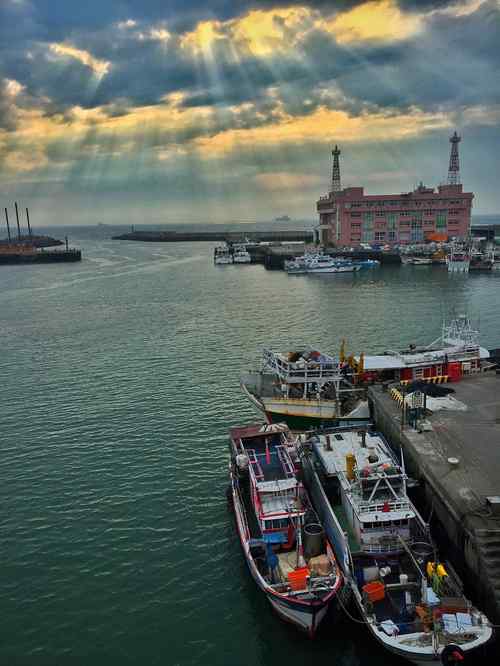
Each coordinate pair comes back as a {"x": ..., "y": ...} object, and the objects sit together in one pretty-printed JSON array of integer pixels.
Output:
[{"x": 350, "y": 217}]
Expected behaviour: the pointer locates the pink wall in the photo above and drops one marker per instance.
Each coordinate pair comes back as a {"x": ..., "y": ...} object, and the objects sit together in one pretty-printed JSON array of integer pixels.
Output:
[{"x": 350, "y": 217}]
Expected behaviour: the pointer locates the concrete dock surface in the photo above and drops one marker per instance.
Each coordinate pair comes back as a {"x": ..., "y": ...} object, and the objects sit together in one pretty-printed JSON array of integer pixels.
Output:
[{"x": 457, "y": 490}]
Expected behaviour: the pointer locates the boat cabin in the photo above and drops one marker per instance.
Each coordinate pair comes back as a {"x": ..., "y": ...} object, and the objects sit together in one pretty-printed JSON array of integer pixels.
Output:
[
  {"x": 277, "y": 496},
  {"x": 372, "y": 487}
]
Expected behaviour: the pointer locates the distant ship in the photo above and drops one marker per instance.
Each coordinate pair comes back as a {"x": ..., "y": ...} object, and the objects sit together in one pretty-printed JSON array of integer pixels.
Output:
[{"x": 282, "y": 218}]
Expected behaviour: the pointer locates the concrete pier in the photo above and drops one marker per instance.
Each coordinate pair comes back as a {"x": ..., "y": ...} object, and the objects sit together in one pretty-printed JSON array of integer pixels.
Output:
[{"x": 457, "y": 493}]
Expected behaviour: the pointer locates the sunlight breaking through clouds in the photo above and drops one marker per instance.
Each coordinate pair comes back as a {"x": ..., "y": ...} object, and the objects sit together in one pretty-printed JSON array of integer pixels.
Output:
[
  {"x": 379, "y": 20},
  {"x": 214, "y": 93},
  {"x": 99, "y": 67}
]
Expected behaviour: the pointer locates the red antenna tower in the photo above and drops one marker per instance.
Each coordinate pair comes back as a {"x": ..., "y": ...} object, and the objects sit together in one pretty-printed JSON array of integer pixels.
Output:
[
  {"x": 336, "y": 170},
  {"x": 454, "y": 168}
]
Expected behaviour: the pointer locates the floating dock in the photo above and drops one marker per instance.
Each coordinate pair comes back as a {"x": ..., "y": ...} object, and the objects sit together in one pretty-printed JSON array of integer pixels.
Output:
[
  {"x": 28, "y": 249},
  {"x": 457, "y": 463},
  {"x": 39, "y": 256}
]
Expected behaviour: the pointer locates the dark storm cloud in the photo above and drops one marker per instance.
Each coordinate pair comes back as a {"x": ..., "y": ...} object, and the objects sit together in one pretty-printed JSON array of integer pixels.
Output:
[{"x": 419, "y": 71}]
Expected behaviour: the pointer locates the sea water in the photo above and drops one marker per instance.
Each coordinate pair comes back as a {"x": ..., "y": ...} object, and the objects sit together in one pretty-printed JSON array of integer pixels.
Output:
[{"x": 119, "y": 381}]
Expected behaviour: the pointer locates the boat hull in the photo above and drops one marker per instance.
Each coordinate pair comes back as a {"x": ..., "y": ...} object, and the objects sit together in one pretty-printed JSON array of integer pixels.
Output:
[
  {"x": 333, "y": 269},
  {"x": 297, "y": 414}
]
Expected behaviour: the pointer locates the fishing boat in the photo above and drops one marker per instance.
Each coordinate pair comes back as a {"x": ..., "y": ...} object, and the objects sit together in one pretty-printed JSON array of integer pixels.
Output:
[
  {"x": 421, "y": 261},
  {"x": 455, "y": 354},
  {"x": 286, "y": 551},
  {"x": 411, "y": 602},
  {"x": 240, "y": 254},
  {"x": 222, "y": 255},
  {"x": 297, "y": 266},
  {"x": 305, "y": 389},
  {"x": 458, "y": 259}
]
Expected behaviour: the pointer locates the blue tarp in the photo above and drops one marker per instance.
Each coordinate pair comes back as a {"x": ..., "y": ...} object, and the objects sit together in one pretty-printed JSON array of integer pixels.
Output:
[{"x": 275, "y": 537}]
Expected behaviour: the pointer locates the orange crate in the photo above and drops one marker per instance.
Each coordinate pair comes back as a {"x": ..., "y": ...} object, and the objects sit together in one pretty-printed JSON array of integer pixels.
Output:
[
  {"x": 298, "y": 578},
  {"x": 375, "y": 591}
]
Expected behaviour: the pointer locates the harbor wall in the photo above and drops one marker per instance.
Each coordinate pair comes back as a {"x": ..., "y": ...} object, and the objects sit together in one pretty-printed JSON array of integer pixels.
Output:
[
  {"x": 216, "y": 236},
  {"x": 471, "y": 542}
]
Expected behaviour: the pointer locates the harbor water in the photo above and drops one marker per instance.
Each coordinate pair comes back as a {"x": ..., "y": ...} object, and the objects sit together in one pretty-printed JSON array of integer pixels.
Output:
[{"x": 119, "y": 383}]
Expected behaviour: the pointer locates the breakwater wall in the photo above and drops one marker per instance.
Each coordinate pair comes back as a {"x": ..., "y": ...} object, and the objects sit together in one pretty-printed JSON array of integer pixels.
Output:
[{"x": 216, "y": 236}]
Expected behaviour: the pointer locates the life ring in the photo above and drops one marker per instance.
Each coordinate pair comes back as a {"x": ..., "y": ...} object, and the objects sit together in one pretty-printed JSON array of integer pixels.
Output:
[{"x": 452, "y": 654}]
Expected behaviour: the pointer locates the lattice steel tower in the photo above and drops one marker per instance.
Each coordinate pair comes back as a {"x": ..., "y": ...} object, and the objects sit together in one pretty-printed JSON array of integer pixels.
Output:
[
  {"x": 336, "y": 170},
  {"x": 454, "y": 168}
]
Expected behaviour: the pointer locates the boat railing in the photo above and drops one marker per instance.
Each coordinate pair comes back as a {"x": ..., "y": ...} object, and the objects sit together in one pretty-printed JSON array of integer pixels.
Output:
[
  {"x": 286, "y": 462},
  {"x": 242, "y": 514},
  {"x": 380, "y": 507},
  {"x": 310, "y": 371},
  {"x": 257, "y": 469}
]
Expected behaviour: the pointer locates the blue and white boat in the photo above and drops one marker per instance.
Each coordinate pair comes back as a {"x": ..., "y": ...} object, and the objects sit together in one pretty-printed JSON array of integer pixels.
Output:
[
  {"x": 324, "y": 264},
  {"x": 412, "y": 604},
  {"x": 284, "y": 546}
]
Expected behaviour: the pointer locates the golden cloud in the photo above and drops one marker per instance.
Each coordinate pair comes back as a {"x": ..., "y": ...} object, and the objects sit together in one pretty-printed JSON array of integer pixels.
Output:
[
  {"x": 265, "y": 32},
  {"x": 321, "y": 126},
  {"x": 262, "y": 33},
  {"x": 376, "y": 20},
  {"x": 99, "y": 67}
]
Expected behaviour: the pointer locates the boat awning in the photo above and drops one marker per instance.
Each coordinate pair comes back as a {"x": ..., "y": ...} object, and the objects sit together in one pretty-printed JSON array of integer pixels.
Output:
[
  {"x": 396, "y": 361},
  {"x": 255, "y": 430},
  {"x": 278, "y": 485},
  {"x": 383, "y": 362}
]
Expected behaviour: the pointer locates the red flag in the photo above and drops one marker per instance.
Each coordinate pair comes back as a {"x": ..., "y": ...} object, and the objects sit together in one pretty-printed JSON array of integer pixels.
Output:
[{"x": 268, "y": 454}]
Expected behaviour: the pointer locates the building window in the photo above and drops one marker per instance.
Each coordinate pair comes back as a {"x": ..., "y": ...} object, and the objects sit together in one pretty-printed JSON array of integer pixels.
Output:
[
  {"x": 441, "y": 220},
  {"x": 391, "y": 221},
  {"x": 355, "y": 214},
  {"x": 380, "y": 235},
  {"x": 391, "y": 235},
  {"x": 417, "y": 234}
]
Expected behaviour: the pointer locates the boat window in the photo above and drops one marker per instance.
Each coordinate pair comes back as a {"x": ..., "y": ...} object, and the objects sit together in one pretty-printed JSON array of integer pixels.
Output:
[
  {"x": 276, "y": 524},
  {"x": 339, "y": 438}
]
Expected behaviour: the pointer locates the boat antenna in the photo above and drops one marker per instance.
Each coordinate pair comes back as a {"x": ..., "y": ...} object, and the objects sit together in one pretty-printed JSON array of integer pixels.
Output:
[
  {"x": 300, "y": 551},
  {"x": 8, "y": 226}
]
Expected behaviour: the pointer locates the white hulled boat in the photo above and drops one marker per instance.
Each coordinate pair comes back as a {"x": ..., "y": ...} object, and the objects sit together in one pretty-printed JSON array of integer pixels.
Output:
[
  {"x": 222, "y": 255},
  {"x": 240, "y": 254},
  {"x": 324, "y": 264},
  {"x": 458, "y": 259},
  {"x": 412, "y": 604},
  {"x": 305, "y": 389},
  {"x": 284, "y": 545}
]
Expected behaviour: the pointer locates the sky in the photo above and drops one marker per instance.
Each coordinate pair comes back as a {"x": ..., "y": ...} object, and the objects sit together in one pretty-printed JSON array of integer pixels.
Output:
[{"x": 162, "y": 111}]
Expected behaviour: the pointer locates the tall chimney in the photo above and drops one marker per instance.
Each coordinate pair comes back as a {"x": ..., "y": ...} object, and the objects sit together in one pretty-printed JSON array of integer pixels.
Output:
[
  {"x": 28, "y": 221},
  {"x": 18, "y": 227}
]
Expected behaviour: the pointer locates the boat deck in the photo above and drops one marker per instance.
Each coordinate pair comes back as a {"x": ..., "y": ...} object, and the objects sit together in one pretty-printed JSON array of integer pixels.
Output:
[{"x": 342, "y": 443}]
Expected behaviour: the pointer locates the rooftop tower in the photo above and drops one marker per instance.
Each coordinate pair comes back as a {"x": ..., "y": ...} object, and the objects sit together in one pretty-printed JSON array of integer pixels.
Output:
[
  {"x": 336, "y": 170},
  {"x": 454, "y": 168}
]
